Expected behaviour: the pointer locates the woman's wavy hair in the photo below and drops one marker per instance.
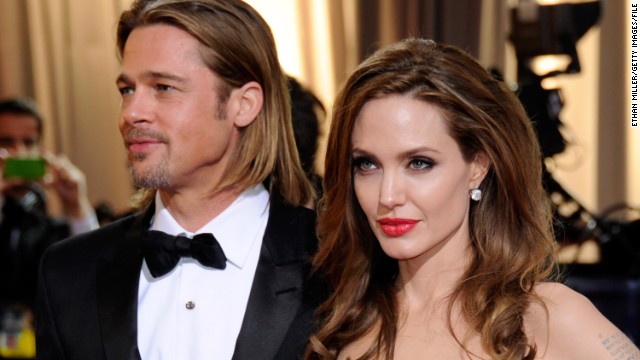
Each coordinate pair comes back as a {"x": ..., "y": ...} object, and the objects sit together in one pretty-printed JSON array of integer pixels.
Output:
[
  {"x": 512, "y": 242},
  {"x": 237, "y": 45}
]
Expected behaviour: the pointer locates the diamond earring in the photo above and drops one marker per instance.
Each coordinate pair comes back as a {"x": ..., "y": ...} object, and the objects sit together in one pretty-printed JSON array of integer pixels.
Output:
[{"x": 476, "y": 194}]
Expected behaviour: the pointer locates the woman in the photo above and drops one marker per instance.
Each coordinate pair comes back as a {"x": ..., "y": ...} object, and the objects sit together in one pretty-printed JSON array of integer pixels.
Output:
[{"x": 435, "y": 228}]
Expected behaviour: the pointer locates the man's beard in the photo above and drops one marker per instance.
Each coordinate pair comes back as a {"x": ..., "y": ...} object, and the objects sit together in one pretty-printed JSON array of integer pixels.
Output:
[{"x": 155, "y": 176}]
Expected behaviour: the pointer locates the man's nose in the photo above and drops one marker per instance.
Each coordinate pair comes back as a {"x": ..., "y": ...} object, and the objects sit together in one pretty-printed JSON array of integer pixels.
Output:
[{"x": 136, "y": 108}]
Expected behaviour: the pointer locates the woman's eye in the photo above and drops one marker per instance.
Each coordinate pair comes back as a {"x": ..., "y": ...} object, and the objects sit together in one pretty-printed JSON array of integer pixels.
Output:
[
  {"x": 364, "y": 164},
  {"x": 421, "y": 164}
]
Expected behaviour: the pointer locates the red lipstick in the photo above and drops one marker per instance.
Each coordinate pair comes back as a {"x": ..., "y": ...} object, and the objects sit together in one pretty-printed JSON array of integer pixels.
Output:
[{"x": 396, "y": 227}]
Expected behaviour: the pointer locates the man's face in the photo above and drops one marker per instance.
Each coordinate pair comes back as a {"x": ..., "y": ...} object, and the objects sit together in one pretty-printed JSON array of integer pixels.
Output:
[
  {"x": 18, "y": 133},
  {"x": 176, "y": 132}
]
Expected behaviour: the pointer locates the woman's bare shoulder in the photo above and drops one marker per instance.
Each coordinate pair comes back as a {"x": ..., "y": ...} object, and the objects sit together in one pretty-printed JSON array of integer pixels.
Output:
[
  {"x": 357, "y": 348},
  {"x": 566, "y": 325}
]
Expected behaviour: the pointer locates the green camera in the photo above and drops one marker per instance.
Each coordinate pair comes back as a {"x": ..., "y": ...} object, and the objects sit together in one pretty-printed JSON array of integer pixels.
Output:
[{"x": 24, "y": 168}]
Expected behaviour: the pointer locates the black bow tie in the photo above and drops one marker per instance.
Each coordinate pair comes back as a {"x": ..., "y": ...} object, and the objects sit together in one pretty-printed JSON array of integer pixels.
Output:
[{"x": 163, "y": 251}]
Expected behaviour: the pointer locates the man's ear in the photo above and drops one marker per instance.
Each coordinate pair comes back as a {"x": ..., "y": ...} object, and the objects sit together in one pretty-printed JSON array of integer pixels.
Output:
[
  {"x": 479, "y": 169},
  {"x": 248, "y": 100}
]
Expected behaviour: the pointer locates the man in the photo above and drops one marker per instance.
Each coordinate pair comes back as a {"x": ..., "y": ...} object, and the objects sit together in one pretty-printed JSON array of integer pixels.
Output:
[
  {"x": 26, "y": 229},
  {"x": 206, "y": 122}
]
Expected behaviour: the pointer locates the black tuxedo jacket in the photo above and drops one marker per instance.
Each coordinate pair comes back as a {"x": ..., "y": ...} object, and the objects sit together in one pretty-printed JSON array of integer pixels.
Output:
[{"x": 88, "y": 292}]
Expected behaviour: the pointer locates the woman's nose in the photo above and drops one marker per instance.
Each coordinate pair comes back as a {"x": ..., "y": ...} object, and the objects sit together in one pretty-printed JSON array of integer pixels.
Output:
[{"x": 392, "y": 192}]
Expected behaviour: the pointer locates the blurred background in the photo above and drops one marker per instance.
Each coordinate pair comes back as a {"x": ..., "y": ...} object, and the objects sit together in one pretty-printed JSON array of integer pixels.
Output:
[{"x": 569, "y": 61}]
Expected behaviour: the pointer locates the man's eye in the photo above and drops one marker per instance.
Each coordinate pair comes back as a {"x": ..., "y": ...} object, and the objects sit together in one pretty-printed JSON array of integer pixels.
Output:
[
  {"x": 162, "y": 87},
  {"x": 30, "y": 143},
  {"x": 125, "y": 90}
]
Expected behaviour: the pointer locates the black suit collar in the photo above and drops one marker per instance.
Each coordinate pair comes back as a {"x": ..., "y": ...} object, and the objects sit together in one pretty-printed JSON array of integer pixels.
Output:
[{"x": 277, "y": 290}]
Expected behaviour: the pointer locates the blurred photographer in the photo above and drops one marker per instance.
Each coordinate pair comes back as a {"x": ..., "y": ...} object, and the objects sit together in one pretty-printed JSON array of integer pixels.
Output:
[{"x": 26, "y": 229}]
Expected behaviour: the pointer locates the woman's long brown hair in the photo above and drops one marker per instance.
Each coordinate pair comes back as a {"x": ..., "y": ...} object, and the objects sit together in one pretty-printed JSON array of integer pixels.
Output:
[{"x": 512, "y": 241}]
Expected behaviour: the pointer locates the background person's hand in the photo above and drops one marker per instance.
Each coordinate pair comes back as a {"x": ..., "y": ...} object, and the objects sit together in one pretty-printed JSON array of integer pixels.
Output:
[{"x": 69, "y": 183}]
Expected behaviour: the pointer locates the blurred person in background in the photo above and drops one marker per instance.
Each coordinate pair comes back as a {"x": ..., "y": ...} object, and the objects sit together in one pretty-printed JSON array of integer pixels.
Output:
[{"x": 26, "y": 229}]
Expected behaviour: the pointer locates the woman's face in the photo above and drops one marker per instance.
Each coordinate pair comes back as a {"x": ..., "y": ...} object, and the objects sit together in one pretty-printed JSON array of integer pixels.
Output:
[{"x": 411, "y": 179}]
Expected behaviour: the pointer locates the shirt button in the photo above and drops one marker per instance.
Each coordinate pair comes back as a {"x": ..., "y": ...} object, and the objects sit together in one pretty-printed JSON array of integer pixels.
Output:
[{"x": 190, "y": 305}]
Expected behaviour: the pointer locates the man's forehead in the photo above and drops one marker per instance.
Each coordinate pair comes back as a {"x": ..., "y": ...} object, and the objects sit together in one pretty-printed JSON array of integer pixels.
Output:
[
  {"x": 13, "y": 118},
  {"x": 160, "y": 44},
  {"x": 18, "y": 123},
  {"x": 176, "y": 58}
]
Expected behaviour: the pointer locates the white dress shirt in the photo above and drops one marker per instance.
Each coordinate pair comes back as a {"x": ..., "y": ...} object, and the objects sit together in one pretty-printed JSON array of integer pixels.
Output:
[{"x": 195, "y": 312}]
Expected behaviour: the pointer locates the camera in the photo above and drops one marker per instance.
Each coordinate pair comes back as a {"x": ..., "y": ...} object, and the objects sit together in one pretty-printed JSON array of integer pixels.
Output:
[{"x": 25, "y": 168}]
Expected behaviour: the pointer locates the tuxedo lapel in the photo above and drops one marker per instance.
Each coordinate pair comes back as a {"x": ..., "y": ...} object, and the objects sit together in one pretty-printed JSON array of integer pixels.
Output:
[
  {"x": 277, "y": 291},
  {"x": 117, "y": 293}
]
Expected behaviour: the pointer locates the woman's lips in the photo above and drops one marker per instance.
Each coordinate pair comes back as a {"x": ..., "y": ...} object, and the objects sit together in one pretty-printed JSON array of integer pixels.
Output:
[{"x": 397, "y": 227}]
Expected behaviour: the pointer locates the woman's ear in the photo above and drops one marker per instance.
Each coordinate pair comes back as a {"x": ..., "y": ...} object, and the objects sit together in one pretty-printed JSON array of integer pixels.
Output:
[
  {"x": 248, "y": 100},
  {"x": 479, "y": 169}
]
